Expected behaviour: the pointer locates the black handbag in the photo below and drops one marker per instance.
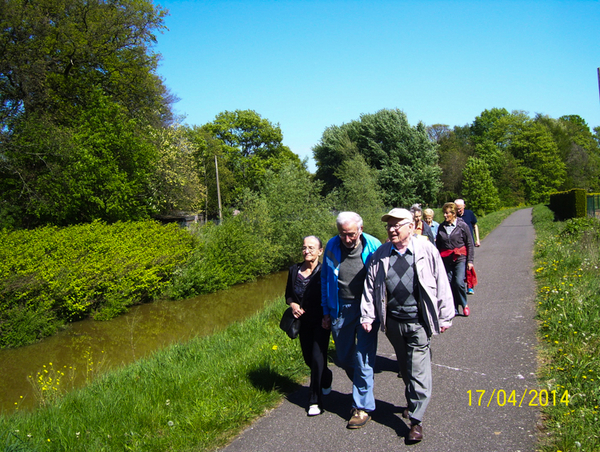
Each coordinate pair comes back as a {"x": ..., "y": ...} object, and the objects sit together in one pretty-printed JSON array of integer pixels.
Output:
[{"x": 290, "y": 324}]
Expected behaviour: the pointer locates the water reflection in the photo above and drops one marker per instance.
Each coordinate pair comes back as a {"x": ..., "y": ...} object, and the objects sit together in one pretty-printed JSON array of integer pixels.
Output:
[{"x": 146, "y": 328}]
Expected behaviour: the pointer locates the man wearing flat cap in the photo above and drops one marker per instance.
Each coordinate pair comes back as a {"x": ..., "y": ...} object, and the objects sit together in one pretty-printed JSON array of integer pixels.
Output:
[{"x": 407, "y": 292}]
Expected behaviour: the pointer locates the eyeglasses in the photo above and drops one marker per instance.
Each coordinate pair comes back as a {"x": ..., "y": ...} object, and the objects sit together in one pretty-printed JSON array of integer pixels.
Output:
[
  {"x": 396, "y": 227},
  {"x": 309, "y": 248},
  {"x": 349, "y": 235}
]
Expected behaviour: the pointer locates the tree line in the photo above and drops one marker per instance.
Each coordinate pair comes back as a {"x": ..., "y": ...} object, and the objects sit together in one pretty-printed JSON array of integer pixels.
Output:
[{"x": 87, "y": 133}]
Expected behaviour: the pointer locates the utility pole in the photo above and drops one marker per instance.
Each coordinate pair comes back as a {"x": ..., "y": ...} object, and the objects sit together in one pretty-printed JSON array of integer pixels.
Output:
[{"x": 218, "y": 190}]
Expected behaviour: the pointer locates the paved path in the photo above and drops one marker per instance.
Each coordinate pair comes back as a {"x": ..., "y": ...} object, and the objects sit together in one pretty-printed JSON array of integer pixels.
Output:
[{"x": 492, "y": 349}]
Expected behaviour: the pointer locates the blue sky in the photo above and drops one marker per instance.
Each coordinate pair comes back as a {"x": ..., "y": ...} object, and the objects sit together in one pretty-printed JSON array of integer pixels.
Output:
[{"x": 307, "y": 65}]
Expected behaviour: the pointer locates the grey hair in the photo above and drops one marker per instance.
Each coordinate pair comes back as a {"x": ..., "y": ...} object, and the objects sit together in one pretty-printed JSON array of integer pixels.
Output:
[
  {"x": 415, "y": 208},
  {"x": 313, "y": 237},
  {"x": 429, "y": 212},
  {"x": 459, "y": 201},
  {"x": 349, "y": 217}
]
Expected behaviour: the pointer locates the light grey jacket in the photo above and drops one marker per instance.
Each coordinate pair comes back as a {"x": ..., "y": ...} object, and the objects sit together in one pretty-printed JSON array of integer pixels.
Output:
[{"x": 436, "y": 304}]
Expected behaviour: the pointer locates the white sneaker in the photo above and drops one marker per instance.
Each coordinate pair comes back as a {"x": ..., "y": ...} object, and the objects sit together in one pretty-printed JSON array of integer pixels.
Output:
[
  {"x": 326, "y": 391},
  {"x": 314, "y": 410}
]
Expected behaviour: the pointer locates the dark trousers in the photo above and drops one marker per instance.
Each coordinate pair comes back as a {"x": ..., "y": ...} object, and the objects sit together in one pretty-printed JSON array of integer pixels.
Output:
[
  {"x": 456, "y": 276},
  {"x": 314, "y": 342}
]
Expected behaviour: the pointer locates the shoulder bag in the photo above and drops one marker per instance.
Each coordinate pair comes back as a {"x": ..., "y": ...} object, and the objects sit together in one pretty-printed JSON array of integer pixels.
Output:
[{"x": 290, "y": 324}]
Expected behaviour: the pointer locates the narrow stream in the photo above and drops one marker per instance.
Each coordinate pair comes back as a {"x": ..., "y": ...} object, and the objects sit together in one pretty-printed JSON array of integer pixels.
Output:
[{"x": 91, "y": 347}]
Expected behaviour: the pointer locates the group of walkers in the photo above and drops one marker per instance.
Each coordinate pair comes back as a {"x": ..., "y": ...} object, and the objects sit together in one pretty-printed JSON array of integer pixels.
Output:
[{"x": 410, "y": 287}]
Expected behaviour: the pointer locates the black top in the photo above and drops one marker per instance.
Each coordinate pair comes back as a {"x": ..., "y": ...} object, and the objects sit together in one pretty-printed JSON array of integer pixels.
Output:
[{"x": 311, "y": 300}]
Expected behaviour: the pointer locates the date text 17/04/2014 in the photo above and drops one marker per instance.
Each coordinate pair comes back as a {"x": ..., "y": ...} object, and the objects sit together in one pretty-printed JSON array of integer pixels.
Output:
[{"x": 529, "y": 397}]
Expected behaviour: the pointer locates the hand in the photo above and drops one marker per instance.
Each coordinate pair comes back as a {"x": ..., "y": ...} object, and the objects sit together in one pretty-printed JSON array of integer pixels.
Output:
[
  {"x": 443, "y": 328},
  {"x": 326, "y": 322},
  {"x": 367, "y": 327},
  {"x": 477, "y": 243},
  {"x": 469, "y": 266},
  {"x": 296, "y": 309}
]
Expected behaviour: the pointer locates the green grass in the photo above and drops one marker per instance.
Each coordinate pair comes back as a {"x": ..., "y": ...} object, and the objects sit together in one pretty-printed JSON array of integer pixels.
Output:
[
  {"x": 190, "y": 396},
  {"x": 567, "y": 269}
]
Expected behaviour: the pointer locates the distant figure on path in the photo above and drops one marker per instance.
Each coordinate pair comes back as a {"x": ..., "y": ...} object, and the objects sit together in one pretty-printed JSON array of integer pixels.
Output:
[
  {"x": 428, "y": 215},
  {"x": 408, "y": 293},
  {"x": 469, "y": 217},
  {"x": 303, "y": 294},
  {"x": 421, "y": 227},
  {"x": 342, "y": 281},
  {"x": 455, "y": 243}
]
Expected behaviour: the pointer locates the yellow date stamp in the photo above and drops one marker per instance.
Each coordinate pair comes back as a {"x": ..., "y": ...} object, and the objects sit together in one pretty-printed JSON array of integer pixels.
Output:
[{"x": 529, "y": 397}]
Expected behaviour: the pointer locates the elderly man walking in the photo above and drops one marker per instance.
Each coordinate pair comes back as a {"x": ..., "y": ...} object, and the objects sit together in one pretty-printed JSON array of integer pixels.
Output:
[
  {"x": 407, "y": 292},
  {"x": 342, "y": 281}
]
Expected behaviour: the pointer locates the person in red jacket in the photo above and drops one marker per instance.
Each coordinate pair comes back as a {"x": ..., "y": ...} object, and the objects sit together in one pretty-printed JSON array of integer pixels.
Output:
[{"x": 455, "y": 244}]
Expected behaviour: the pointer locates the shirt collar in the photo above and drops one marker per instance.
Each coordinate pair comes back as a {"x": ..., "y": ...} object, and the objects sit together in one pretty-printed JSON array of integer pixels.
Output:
[{"x": 409, "y": 249}]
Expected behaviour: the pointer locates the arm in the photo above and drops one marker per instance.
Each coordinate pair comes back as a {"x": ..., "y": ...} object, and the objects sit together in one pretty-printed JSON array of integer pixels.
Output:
[
  {"x": 367, "y": 302},
  {"x": 324, "y": 274},
  {"x": 326, "y": 322},
  {"x": 469, "y": 244},
  {"x": 445, "y": 300},
  {"x": 290, "y": 295},
  {"x": 476, "y": 231}
]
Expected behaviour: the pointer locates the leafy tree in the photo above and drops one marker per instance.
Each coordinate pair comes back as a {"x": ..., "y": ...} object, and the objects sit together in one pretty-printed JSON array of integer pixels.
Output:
[
  {"x": 479, "y": 188},
  {"x": 359, "y": 192},
  {"x": 212, "y": 155},
  {"x": 485, "y": 126},
  {"x": 176, "y": 183},
  {"x": 578, "y": 150},
  {"x": 540, "y": 165},
  {"x": 54, "y": 51},
  {"x": 78, "y": 96},
  {"x": 250, "y": 145},
  {"x": 454, "y": 149},
  {"x": 437, "y": 132},
  {"x": 99, "y": 168},
  {"x": 337, "y": 144},
  {"x": 596, "y": 135},
  {"x": 404, "y": 156}
]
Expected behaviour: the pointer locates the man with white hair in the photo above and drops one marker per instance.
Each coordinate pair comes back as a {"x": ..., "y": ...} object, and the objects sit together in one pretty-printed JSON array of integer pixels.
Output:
[
  {"x": 407, "y": 292},
  {"x": 342, "y": 281}
]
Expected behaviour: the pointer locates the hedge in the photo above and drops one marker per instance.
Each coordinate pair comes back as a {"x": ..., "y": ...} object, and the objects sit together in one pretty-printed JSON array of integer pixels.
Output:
[{"x": 50, "y": 276}]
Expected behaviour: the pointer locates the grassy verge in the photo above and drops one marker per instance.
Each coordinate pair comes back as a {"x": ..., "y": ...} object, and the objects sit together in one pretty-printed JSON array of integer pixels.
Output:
[
  {"x": 192, "y": 396},
  {"x": 567, "y": 269}
]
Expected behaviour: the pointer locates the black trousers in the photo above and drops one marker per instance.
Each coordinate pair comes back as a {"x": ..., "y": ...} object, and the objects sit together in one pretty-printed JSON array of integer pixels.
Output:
[{"x": 314, "y": 342}]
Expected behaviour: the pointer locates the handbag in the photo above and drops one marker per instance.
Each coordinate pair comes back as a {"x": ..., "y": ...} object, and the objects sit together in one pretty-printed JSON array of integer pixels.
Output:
[{"x": 289, "y": 323}]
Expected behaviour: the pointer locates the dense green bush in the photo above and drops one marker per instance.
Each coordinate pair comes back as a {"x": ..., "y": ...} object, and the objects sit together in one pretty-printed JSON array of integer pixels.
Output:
[
  {"x": 52, "y": 275},
  {"x": 265, "y": 236},
  {"x": 233, "y": 252}
]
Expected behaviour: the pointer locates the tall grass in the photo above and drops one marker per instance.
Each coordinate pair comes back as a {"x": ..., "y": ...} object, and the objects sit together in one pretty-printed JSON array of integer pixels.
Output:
[
  {"x": 567, "y": 269},
  {"x": 191, "y": 396}
]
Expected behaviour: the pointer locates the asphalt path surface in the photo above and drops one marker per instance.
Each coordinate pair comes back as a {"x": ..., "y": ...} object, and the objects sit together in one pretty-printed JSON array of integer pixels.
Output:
[{"x": 492, "y": 350}]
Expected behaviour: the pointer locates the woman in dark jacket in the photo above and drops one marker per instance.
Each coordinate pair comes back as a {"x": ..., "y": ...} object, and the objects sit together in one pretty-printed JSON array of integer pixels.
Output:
[
  {"x": 303, "y": 294},
  {"x": 455, "y": 243}
]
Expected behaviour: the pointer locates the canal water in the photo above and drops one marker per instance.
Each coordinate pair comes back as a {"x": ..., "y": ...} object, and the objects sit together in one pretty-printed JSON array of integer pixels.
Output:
[{"x": 89, "y": 347}]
